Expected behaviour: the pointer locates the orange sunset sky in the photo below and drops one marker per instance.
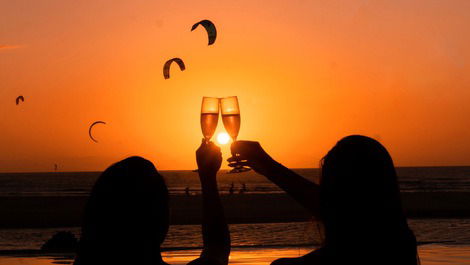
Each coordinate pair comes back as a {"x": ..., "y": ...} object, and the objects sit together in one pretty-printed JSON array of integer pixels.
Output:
[{"x": 306, "y": 73}]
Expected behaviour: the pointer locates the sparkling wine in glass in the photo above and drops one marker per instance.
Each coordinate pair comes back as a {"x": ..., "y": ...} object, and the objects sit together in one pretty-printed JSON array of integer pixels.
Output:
[
  {"x": 209, "y": 117},
  {"x": 231, "y": 120}
]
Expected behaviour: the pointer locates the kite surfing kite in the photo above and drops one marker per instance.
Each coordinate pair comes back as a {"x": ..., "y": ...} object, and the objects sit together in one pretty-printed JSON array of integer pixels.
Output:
[
  {"x": 210, "y": 28},
  {"x": 18, "y": 99},
  {"x": 91, "y": 127},
  {"x": 166, "y": 67}
]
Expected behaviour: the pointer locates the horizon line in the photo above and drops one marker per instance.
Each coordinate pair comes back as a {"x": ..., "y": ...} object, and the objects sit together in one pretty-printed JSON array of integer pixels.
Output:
[{"x": 223, "y": 169}]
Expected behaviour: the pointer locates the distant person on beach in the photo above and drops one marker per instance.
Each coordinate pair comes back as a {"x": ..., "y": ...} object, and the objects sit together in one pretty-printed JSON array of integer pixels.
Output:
[
  {"x": 126, "y": 217},
  {"x": 358, "y": 202},
  {"x": 242, "y": 189}
]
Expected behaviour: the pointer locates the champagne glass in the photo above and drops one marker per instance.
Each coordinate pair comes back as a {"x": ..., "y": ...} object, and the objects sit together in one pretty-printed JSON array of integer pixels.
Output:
[
  {"x": 231, "y": 120},
  {"x": 209, "y": 117}
]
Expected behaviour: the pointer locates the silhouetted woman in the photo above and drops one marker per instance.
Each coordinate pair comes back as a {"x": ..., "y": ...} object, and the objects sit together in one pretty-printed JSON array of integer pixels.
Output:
[
  {"x": 357, "y": 201},
  {"x": 126, "y": 218}
]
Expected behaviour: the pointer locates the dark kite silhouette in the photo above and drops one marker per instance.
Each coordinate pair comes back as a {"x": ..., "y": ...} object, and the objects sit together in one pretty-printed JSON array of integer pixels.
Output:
[
  {"x": 18, "y": 99},
  {"x": 210, "y": 28},
  {"x": 91, "y": 127},
  {"x": 166, "y": 67}
]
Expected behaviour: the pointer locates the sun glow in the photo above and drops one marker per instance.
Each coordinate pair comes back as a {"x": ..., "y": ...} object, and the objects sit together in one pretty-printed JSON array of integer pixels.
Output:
[{"x": 223, "y": 138}]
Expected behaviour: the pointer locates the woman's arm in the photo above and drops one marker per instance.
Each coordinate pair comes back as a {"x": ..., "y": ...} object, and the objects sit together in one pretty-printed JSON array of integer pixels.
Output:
[
  {"x": 302, "y": 190},
  {"x": 215, "y": 232}
]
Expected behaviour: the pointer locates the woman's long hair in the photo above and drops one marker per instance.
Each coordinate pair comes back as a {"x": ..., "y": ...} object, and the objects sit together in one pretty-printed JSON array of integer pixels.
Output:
[
  {"x": 126, "y": 217},
  {"x": 360, "y": 205}
]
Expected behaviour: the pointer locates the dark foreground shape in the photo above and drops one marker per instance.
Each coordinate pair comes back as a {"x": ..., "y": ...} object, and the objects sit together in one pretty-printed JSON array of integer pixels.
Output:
[
  {"x": 358, "y": 199},
  {"x": 126, "y": 216},
  {"x": 61, "y": 242}
]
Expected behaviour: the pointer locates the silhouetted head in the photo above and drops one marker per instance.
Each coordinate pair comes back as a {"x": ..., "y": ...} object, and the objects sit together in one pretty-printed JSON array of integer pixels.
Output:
[
  {"x": 360, "y": 202},
  {"x": 126, "y": 217}
]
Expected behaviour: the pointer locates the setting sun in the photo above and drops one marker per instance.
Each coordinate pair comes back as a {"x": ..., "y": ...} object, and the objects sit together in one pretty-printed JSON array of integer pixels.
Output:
[{"x": 223, "y": 138}]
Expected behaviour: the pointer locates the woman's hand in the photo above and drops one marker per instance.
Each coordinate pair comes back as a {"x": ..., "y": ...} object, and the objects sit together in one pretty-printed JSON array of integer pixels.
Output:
[
  {"x": 248, "y": 153},
  {"x": 215, "y": 233},
  {"x": 307, "y": 193},
  {"x": 209, "y": 159}
]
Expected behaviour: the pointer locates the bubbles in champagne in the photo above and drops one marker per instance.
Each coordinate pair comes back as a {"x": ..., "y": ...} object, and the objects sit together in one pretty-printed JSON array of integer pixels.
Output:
[
  {"x": 209, "y": 124},
  {"x": 232, "y": 124}
]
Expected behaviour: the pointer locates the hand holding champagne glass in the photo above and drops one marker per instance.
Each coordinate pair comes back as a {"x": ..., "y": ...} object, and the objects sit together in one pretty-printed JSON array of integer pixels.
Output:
[{"x": 231, "y": 120}]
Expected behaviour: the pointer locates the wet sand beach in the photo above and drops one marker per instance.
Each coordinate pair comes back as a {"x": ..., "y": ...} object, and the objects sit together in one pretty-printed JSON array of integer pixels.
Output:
[
  {"x": 66, "y": 211},
  {"x": 429, "y": 254}
]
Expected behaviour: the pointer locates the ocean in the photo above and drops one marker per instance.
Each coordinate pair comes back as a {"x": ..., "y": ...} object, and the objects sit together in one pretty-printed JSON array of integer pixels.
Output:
[
  {"x": 444, "y": 231},
  {"x": 411, "y": 179}
]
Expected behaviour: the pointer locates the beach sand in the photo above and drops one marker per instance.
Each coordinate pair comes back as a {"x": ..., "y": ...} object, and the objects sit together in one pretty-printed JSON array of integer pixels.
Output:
[
  {"x": 66, "y": 211},
  {"x": 429, "y": 254}
]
